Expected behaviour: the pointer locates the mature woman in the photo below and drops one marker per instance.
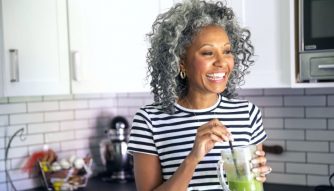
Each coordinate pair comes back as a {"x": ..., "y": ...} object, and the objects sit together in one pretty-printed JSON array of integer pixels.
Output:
[{"x": 198, "y": 55}]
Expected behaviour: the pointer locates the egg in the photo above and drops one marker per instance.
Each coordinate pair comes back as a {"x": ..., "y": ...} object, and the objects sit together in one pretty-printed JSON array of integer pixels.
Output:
[
  {"x": 55, "y": 166},
  {"x": 65, "y": 164},
  {"x": 71, "y": 159},
  {"x": 79, "y": 163}
]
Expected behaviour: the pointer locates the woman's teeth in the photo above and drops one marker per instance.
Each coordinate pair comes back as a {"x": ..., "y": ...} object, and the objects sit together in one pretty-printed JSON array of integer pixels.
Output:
[{"x": 216, "y": 76}]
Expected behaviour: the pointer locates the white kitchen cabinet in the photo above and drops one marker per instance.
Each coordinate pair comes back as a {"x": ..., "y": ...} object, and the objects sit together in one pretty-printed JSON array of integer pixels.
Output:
[
  {"x": 271, "y": 26},
  {"x": 34, "y": 48},
  {"x": 107, "y": 44}
]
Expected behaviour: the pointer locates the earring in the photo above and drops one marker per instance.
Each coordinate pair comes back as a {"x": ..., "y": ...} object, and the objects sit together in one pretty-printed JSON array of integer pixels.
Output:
[{"x": 182, "y": 75}]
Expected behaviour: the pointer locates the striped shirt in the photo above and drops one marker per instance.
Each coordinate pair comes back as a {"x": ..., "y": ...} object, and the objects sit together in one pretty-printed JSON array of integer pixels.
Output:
[{"x": 171, "y": 136}]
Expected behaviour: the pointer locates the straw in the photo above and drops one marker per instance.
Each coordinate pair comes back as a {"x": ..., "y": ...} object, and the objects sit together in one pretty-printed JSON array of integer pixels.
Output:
[{"x": 234, "y": 159}]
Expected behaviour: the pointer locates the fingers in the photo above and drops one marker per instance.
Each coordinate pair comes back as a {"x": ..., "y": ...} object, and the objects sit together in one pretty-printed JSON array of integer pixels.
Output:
[
  {"x": 261, "y": 169},
  {"x": 214, "y": 127}
]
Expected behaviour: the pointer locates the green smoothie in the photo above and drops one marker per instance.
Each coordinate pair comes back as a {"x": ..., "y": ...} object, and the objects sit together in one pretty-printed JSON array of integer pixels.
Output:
[{"x": 245, "y": 185}]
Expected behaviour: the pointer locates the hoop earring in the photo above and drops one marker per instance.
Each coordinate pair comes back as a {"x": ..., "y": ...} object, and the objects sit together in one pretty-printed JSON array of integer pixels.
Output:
[{"x": 182, "y": 75}]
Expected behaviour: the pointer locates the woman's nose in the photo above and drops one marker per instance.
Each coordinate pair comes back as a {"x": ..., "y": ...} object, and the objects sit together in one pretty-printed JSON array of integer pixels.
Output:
[{"x": 220, "y": 61}]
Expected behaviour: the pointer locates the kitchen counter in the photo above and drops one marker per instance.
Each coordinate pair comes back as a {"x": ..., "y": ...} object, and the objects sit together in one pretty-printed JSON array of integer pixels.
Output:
[{"x": 96, "y": 184}]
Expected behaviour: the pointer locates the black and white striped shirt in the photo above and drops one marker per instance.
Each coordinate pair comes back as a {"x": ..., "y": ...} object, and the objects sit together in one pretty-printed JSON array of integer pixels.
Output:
[{"x": 171, "y": 136}]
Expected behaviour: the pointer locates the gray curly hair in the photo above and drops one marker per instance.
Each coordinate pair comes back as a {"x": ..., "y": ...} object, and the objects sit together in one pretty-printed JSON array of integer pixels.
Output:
[{"x": 174, "y": 30}]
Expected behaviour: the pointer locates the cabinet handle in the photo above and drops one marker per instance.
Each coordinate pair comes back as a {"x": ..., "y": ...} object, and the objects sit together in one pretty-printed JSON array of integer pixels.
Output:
[
  {"x": 326, "y": 66},
  {"x": 14, "y": 65},
  {"x": 76, "y": 65}
]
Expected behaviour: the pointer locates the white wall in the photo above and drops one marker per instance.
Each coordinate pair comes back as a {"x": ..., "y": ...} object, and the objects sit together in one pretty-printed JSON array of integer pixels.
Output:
[{"x": 301, "y": 120}]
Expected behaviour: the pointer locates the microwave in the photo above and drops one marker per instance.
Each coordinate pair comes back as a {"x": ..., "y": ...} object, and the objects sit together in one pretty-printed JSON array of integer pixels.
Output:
[{"x": 316, "y": 40}]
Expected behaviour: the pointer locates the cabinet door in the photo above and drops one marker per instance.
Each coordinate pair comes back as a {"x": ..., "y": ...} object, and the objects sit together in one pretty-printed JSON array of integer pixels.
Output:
[
  {"x": 34, "y": 47},
  {"x": 270, "y": 30},
  {"x": 107, "y": 42}
]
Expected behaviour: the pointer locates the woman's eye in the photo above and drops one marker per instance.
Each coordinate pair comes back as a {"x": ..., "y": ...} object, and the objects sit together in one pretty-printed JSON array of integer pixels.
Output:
[
  {"x": 227, "y": 51},
  {"x": 208, "y": 53}
]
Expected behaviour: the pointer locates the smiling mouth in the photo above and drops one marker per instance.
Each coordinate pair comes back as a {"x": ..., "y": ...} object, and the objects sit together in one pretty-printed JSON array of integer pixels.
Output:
[{"x": 216, "y": 76}]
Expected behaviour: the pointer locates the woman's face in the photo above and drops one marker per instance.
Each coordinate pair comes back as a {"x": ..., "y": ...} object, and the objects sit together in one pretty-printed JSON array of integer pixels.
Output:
[{"x": 208, "y": 61}]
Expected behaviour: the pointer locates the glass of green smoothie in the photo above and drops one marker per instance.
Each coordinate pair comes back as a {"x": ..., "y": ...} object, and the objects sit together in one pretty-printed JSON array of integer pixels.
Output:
[{"x": 236, "y": 164}]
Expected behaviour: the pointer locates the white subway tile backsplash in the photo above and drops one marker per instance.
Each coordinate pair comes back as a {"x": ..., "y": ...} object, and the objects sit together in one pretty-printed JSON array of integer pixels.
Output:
[
  {"x": 18, "y": 174},
  {"x": 286, "y": 134},
  {"x": 249, "y": 92},
  {"x": 2, "y": 131},
  {"x": 3, "y": 186},
  {"x": 87, "y": 96},
  {"x": 2, "y": 164},
  {"x": 43, "y": 127},
  {"x": 87, "y": 114},
  {"x": 3, "y": 100},
  {"x": 273, "y": 123},
  {"x": 17, "y": 163},
  {"x": 28, "y": 140},
  {"x": 305, "y": 100},
  {"x": 330, "y": 124},
  {"x": 143, "y": 95},
  {"x": 78, "y": 124},
  {"x": 2, "y": 177},
  {"x": 313, "y": 180},
  {"x": 276, "y": 166},
  {"x": 321, "y": 135},
  {"x": 86, "y": 133},
  {"x": 300, "y": 123},
  {"x": 280, "y": 178},
  {"x": 2, "y": 156},
  {"x": 102, "y": 103},
  {"x": 324, "y": 158},
  {"x": 130, "y": 102},
  {"x": 266, "y": 101},
  {"x": 17, "y": 152},
  {"x": 76, "y": 104},
  {"x": 330, "y": 100},
  {"x": 26, "y": 118},
  {"x": 301, "y": 168},
  {"x": 58, "y": 97},
  {"x": 75, "y": 144},
  {"x": 27, "y": 183},
  {"x": 2, "y": 143},
  {"x": 283, "y": 91},
  {"x": 319, "y": 91},
  {"x": 287, "y": 157},
  {"x": 320, "y": 112},
  {"x": 12, "y": 108},
  {"x": 4, "y": 120},
  {"x": 288, "y": 112},
  {"x": 59, "y": 136},
  {"x": 25, "y": 99},
  {"x": 318, "y": 146},
  {"x": 43, "y": 106},
  {"x": 59, "y": 116}
]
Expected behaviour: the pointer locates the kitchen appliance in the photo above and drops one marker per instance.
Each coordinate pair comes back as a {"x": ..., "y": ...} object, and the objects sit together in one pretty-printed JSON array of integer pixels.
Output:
[
  {"x": 316, "y": 40},
  {"x": 118, "y": 162}
]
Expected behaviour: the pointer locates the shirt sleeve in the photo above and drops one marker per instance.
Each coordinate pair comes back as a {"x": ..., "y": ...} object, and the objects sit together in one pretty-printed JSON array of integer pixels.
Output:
[
  {"x": 141, "y": 135},
  {"x": 258, "y": 134}
]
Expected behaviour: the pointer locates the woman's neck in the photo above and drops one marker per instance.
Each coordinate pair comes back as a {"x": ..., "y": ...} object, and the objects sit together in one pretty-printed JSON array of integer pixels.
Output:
[{"x": 198, "y": 102}]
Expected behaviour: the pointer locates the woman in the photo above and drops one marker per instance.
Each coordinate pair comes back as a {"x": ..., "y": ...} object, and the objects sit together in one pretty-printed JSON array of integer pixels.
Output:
[{"x": 198, "y": 55}]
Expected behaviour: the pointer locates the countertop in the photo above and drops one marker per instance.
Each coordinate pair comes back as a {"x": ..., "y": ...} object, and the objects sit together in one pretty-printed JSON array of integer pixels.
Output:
[{"x": 96, "y": 184}]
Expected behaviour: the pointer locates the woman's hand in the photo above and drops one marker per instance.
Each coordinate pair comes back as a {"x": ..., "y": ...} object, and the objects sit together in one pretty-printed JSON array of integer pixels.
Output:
[
  {"x": 261, "y": 169},
  {"x": 206, "y": 137}
]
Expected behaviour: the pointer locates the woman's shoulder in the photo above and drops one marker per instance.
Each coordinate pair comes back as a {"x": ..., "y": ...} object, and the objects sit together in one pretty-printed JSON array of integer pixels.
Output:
[
  {"x": 237, "y": 102},
  {"x": 148, "y": 109}
]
